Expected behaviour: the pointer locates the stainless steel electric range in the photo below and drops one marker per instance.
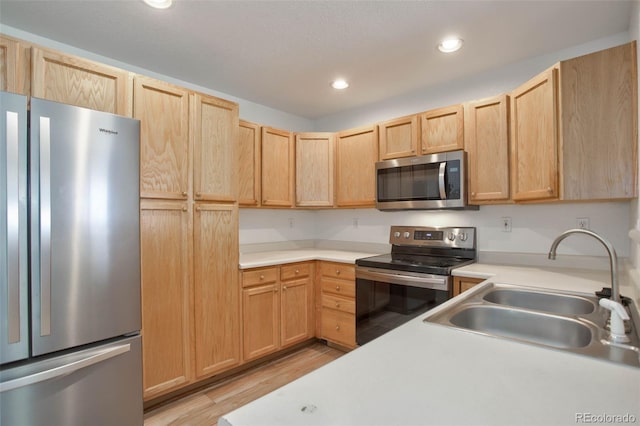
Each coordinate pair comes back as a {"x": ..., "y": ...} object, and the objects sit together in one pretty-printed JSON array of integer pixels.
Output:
[{"x": 416, "y": 276}]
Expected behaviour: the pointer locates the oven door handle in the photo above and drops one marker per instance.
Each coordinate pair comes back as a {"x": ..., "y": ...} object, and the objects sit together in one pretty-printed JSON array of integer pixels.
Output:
[
  {"x": 441, "y": 186},
  {"x": 435, "y": 282}
]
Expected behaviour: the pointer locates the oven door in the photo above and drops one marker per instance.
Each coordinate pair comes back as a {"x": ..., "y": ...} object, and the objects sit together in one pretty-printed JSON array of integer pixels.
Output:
[{"x": 386, "y": 299}]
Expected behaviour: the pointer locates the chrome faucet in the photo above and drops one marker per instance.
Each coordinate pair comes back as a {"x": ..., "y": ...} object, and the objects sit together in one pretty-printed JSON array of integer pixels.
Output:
[{"x": 613, "y": 258}]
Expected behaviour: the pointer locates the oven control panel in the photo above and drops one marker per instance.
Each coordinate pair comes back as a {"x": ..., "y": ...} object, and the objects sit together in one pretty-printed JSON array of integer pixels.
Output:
[{"x": 450, "y": 237}]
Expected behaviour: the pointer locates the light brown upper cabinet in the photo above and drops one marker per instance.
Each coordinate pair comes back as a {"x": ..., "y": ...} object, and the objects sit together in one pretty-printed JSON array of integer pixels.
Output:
[
  {"x": 76, "y": 81},
  {"x": 277, "y": 168},
  {"x": 8, "y": 65},
  {"x": 249, "y": 164},
  {"x": 598, "y": 107},
  {"x": 214, "y": 129},
  {"x": 487, "y": 145},
  {"x": 163, "y": 111},
  {"x": 534, "y": 138},
  {"x": 399, "y": 137},
  {"x": 442, "y": 129},
  {"x": 314, "y": 169},
  {"x": 165, "y": 253},
  {"x": 216, "y": 289},
  {"x": 356, "y": 156}
]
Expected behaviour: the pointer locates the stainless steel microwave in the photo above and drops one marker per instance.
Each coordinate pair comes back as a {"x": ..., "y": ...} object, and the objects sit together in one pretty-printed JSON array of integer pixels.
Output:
[{"x": 436, "y": 181}]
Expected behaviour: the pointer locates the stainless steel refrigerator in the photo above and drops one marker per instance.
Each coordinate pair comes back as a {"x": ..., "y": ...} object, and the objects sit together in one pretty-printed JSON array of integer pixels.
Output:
[{"x": 70, "y": 349}]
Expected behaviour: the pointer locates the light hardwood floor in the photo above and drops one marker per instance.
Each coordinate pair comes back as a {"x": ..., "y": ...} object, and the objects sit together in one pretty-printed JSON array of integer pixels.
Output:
[{"x": 204, "y": 407}]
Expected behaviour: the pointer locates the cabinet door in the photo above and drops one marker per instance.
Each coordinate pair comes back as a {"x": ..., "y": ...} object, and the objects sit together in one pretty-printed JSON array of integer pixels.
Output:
[
  {"x": 249, "y": 164},
  {"x": 163, "y": 111},
  {"x": 356, "y": 156},
  {"x": 277, "y": 168},
  {"x": 487, "y": 144},
  {"x": 8, "y": 65},
  {"x": 166, "y": 301},
  {"x": 399, "y": 137},
  {"x": 534, "y": 138},
  {"x": 261, "y": 320},
  {"x": 599, "y": 125},
  {"x": 442, "y": 129},
  {"x": 76, "y": 81},
  {"x": 462, "y": 284},
  {"x": 214, "y": 129},
  {"x": 296, "y": 312},
  {"x": 314, "y": 169},
  {"x": 216, "y": 289}
]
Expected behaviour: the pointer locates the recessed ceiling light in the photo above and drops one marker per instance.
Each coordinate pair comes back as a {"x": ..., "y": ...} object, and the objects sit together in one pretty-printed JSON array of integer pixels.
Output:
[
  {"x": 159, "y": 4},
  {"x": 450, "y": 44},
  {"x": 339, "y": 84}
]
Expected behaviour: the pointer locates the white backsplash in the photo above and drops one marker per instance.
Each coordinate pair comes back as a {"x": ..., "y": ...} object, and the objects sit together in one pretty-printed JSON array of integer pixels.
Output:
[{"x": 533, "y": 226}]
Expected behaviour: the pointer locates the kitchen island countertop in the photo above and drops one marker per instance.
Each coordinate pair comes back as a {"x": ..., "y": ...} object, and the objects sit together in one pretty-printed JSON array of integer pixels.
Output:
[{"x": 428, "y": 374}]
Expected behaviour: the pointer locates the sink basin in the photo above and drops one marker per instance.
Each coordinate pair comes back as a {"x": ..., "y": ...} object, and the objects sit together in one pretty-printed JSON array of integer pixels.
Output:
[
  {"x": 559, "y": 320},
  {"x": 550, "y": 330},
  {"x": 542, "y": 301}
]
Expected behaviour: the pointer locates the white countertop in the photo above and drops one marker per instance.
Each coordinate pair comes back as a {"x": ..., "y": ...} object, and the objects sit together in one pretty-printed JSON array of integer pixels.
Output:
[
  {"x": 428, "y": 374},
  {"x": 278, "y": 257}
]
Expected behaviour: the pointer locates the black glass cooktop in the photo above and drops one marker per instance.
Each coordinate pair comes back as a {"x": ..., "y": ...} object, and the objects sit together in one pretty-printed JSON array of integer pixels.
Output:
[{"x": 428, "y": 264}]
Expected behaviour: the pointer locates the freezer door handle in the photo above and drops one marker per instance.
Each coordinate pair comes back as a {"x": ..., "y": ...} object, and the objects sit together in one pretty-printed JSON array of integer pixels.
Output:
[
  {"x": 66, "y": 369},
  {"x": 45, "y": 226},
  {"x": 13, "y": 226}
]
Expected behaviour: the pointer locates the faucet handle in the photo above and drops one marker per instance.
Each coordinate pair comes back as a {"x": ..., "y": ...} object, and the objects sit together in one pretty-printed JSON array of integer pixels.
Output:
[{"x": 618, "y": 315}]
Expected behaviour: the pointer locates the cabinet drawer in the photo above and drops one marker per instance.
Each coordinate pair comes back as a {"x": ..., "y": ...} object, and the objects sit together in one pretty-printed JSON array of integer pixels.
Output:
[
  {"x": 296, "y": 270},
  {"x": 338, "y": 270},
  {"x": 339, "y": 327},
  {"x": 259, "y": 276},
  {"x": 341, "y": 287},
  {"x": 339, "y": 303}
]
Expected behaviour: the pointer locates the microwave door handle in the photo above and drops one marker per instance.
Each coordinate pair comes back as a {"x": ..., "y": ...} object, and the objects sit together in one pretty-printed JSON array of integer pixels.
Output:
[{"x": 441, "y": 187}]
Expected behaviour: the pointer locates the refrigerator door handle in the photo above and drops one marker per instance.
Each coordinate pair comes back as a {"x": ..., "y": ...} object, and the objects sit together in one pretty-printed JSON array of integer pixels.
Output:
[
  {"x": 45, "y": 226},
  {"x": 64, "y": 369},
  {"x": 13, "y": 226}
]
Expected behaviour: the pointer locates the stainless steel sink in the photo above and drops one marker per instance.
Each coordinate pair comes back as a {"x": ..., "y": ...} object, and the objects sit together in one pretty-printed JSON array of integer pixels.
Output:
[
  {"x": 567, "y": 321},
  {"x": 534, "y": 327},
  {"x": 542, "y": 301}
]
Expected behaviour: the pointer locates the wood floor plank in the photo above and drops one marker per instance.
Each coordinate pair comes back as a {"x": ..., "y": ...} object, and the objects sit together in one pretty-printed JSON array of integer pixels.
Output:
[{"x": 206, "y": 406}]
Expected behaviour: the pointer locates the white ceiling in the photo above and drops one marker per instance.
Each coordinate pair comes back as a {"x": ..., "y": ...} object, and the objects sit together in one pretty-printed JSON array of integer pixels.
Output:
[{"x": 283, "y": 54}]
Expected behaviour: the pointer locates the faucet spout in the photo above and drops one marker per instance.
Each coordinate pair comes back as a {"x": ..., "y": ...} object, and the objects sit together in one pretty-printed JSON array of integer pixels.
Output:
[{"x": 613, "y": 258}]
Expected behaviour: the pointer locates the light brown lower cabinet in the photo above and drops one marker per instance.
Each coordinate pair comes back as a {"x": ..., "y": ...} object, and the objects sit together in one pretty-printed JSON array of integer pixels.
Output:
[
  {"x": 277, "y": 308},
  {"x": 462, "y": 284},
  {"x": 337, "y": 306}
]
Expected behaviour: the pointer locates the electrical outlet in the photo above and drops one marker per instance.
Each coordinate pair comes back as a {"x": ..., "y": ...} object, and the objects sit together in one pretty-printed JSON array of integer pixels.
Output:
[
  {"x": 355, "y": 222},
  {"x": 291, "y": 222},
  {"x": 506, "y": 224},
  {"x": 582, "y": 222}
]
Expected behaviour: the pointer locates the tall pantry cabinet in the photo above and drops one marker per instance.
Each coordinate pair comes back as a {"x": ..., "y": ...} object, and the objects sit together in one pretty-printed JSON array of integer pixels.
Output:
[{"x": 191, "y": 322}]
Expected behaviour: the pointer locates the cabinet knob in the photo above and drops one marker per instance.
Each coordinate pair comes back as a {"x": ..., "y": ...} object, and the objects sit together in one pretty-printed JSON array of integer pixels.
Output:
[
  {"x": 549, "y": 190},
  {"x": 284, "y": 288},
  {"x": 473, "y": 194},
  {"x": 198, "y": 208},
  {"x": 184, "y": 194},
  {"x": 184, "y": 208},
  {"x": 297, "y": 272},
  {"x": 261, "y": 277},
  {"x": 337, "y": 271},
  {"x": 337, "y": 288},
  {"x": 337, "y": 304},
  {"x": 338, "y": 327},
  {"x": 264, "y": 201},
  {"x": 198, "y": 194},
  {"x": 275, "y": 290}
]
